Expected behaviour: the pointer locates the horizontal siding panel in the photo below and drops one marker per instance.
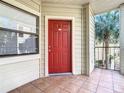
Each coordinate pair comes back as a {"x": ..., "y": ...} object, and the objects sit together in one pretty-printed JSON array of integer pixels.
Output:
[
  {"x": 59, "y": 13},
  {"x": 30, "y": 4},
  {"x": 62, "y": 6},
  {"x": 17, "y": 74},
  {"x": 66, "y": 10},
  {"x": 37, "y": 1},
  {"x": 91, "y": 39}
]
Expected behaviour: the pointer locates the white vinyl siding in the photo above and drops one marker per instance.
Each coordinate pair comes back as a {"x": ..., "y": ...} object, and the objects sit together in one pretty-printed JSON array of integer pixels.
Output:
[
  {"x": 17, "y": 74},
  {"x": 91, "y": 39},
  {"x": 33, "y": 4}
]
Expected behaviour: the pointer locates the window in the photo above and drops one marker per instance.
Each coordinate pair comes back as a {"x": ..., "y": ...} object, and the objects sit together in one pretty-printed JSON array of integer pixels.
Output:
[{"x": 18, "y": 31}]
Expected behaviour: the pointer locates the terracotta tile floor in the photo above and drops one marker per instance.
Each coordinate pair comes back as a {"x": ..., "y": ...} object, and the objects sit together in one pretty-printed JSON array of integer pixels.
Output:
[{"x": 100, "y": 81}]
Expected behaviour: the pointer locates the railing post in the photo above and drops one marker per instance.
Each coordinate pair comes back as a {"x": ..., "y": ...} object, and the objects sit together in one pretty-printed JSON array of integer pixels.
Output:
[{"x": 112, "y": 52}]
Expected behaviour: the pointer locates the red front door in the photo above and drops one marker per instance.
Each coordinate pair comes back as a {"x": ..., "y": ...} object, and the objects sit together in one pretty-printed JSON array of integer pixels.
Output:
[{"x": 59, "y": 46}]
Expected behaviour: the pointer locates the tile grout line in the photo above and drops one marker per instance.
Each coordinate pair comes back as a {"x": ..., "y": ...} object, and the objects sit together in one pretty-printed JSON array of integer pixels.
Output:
[
  {"x": 113, "y": 82},
  {"x": 81, "y": 86},
  {"x": 99, "y": 80},
  {"x": 65, "y": 89},
  {"x": 18, "y": 90},
  {"x": 36, "y": 87}
]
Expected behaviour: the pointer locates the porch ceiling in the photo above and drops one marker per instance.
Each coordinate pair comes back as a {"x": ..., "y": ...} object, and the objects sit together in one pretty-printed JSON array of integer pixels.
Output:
[{"x": 98, "y": 5}]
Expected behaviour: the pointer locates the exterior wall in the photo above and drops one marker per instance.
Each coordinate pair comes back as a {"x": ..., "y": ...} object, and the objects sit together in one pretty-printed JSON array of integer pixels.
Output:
[
  {"x": 68, "y": 11},
  {"x": 17, "y": 74},
  {"x": 121, "y": 39},
  {"x": 84, "y": 38},
  {"x": 89, "y": 35},
  {"x": 33, "y": 4},
  {"x": 18, "y": 70}
]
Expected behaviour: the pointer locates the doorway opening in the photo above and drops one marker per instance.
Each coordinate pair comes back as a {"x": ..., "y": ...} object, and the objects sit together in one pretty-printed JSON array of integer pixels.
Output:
[
  {"x": 59, "y": 46},
  {"x": 107, "y": 48}
]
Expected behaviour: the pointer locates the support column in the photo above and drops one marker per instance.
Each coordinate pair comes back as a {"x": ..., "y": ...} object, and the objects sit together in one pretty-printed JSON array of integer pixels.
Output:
[
  {"x": 89, "y": 30},
  {"x": 122, "y": 39}
]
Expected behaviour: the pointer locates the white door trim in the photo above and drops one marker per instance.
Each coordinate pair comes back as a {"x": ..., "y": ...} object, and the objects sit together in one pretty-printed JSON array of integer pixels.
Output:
[{"x": 46, "y": 40}]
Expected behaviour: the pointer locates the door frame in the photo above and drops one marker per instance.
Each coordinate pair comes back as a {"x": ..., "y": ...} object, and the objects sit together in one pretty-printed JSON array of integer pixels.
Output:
[{"x": 72, "y": 19}]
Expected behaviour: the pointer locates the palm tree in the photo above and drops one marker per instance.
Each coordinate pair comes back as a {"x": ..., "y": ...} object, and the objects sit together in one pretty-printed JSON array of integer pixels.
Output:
[{"x": 107, "y": 31}]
